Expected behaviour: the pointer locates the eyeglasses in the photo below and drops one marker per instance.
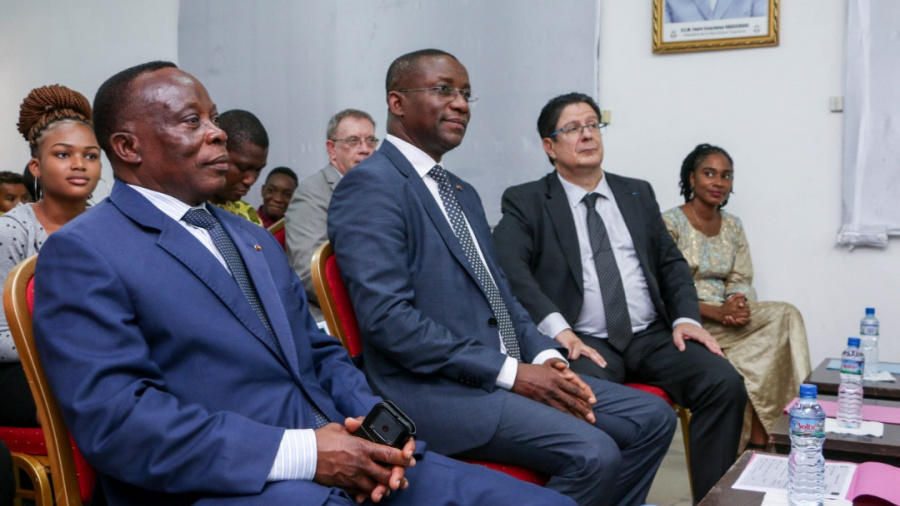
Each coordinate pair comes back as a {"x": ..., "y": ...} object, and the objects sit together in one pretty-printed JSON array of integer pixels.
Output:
[
  {"x": 354, "y": 141},
  {"x": 446, "y": 92},
  {"x": 570, "y": 129}
]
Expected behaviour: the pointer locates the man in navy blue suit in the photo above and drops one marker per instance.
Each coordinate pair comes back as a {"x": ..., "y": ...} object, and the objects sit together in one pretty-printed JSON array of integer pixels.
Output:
[
  {"x": 178, "y": 343},
  {"x": 442, "y": 334}
]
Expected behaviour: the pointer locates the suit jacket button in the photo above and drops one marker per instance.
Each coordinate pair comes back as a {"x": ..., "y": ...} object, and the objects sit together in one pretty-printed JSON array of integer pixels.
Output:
[{"x": 492, "y": 322}]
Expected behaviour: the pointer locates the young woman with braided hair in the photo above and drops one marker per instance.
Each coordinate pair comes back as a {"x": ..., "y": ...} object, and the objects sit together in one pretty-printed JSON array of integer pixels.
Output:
[
  {"x": 65, "y": 162},
  {"x": 764, "y": 340}
]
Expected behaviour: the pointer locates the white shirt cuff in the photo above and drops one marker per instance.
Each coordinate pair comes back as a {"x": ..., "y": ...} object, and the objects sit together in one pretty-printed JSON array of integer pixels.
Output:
[
  {"x": 686, "y": 320},
  {"x": 507, "y": 376},
  {"x": 547, "y": 355},
  {"x": 553, "y": 324},
  {"x": 297, "y": 456}
]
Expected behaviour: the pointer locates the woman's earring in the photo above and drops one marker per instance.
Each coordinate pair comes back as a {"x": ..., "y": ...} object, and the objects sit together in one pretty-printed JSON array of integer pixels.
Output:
[{"x": 37, "y": 189}]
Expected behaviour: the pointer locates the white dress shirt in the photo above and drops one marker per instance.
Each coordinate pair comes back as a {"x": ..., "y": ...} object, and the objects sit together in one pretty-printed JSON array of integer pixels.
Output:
[
  {"x": 297, "y": 455},
  {"x": 592, "y": 319},
  {"x": 423, "y": 163}
]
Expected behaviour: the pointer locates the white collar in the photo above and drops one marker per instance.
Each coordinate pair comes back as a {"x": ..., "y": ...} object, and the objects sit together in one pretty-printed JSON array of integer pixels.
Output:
[
  {"x": 419, "y": 159},
  {"x": 575, "y": 193},
  {"x": 168, "y": 204}
]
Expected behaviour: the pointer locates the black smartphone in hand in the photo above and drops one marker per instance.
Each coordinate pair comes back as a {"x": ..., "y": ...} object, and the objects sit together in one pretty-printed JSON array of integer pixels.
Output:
[{"x": 386, "y": 424}]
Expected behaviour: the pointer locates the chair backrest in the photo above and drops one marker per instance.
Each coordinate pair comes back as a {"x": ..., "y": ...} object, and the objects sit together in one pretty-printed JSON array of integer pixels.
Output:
[
  {"x": 334, "y": 299},
  {"x": 18, "y": 301},
  {"x": 341, "y": 319},
  {"x": 278, "y": 226}
]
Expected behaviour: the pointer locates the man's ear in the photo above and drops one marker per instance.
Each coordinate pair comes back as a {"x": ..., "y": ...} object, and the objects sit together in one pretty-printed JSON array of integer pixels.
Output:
[
  {"x": 395, "y": 103},
  {"x": 549, "y": 147},
  {"x": 126, "y": 146}
]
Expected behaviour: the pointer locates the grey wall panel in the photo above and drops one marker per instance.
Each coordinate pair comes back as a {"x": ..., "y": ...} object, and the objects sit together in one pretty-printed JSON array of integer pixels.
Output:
[{"x": 294, "y": 64}]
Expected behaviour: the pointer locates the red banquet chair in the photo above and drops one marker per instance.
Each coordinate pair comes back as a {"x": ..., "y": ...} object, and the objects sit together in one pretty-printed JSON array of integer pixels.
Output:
[
  {"x": 341, "y": 319},
  {"x": 72, "y": 478}
]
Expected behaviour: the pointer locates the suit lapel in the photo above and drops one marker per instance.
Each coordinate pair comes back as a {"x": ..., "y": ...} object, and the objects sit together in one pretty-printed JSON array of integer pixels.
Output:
[
  {"x": 703, "y": 6},
  {"x": 179, "y": 243},
  {"x": 628, "y": 200},
  {"x": 332, "y": 176},
  {"x": 560, "y": 212},
  {"x": 430, "y": 204},
  {"x": 266, "y": 290},
  {"x": 722, "y": 7}
]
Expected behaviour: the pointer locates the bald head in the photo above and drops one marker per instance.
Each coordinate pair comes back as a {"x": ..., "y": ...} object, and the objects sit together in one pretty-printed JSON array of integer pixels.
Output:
[
  {"x": 166, "y": 136},
  {"x": 404, "y": 67},
  {"x": 113, "y": 102}
]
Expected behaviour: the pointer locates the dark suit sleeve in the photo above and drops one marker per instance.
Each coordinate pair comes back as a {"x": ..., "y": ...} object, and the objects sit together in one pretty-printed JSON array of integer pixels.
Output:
[
  {"x": 673, "y": 273},
  {"x": 514, "y": 239},
  {"x": 114, "y": 396},
  {"x": 367, "y": 224}
]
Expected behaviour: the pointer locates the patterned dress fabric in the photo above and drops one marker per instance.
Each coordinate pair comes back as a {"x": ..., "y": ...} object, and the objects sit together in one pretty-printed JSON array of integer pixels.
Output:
[
  {"x": 242, "y": 209},
  {"x": 21, "y": 236},
  {"x": 771, "y": 351},
  {"x": 457, "y": 221}
]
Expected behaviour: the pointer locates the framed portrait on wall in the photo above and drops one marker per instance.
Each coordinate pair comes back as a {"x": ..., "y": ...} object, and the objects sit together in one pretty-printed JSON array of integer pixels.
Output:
[{"x": 705, "y": 25}]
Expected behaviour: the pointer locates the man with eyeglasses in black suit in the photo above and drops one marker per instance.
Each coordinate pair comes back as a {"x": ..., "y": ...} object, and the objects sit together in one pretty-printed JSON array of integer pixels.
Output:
[{"x": 588, "y": 255}]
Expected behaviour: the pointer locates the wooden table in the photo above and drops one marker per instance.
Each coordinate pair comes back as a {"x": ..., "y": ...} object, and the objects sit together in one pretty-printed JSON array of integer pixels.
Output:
[
  {"x": 828, "y": 381},
  {"x": 847, "y": 447},
  {"x": 723, "y": 495}
]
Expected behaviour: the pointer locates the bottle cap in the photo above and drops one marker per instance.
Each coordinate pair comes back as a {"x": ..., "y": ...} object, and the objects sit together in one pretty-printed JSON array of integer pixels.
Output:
[
  {"x": 853, "y": 342},
  {"x": 870, "y": 311},
  {"x": 807, "y": 390}
]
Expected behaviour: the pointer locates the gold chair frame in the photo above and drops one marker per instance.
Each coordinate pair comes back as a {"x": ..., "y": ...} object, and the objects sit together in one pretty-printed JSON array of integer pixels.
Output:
[{"x": 63, "y": 475}]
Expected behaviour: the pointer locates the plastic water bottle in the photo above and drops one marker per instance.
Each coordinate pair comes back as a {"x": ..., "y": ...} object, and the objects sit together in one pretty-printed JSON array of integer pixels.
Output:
[
  {"x": 868, "y": 329},
  {"x": 850, "y": 393},
  {"x": 806, "y": 465}
]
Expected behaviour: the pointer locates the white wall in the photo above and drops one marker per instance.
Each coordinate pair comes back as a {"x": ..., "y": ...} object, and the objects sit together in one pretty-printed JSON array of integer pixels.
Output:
[
  {"x": 295, "y": 65},
  {"x": 769, "y": 108},
  {"x": 76, "y": 44}
]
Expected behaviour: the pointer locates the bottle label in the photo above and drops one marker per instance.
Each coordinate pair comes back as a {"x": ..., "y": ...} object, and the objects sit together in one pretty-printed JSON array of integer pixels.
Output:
[
  {"x": 868, "y": 330},
  {"x": 849, "y": 366},
  {"x": 807, "y": 427}
]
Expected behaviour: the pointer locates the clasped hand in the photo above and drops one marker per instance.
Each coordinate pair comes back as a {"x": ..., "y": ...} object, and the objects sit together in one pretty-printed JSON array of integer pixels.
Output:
[
  {"x": 735, "y": 311},
  {"x": 362, "y": 468},
  {"x": 555, "y": 385}
]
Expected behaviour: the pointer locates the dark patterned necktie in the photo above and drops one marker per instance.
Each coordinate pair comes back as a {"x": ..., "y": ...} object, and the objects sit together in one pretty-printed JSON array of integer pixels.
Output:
[
  {"x": 615, "y": 305},
  {"x": 458, "y": 222},
  {"x": 204, "y": 219}
]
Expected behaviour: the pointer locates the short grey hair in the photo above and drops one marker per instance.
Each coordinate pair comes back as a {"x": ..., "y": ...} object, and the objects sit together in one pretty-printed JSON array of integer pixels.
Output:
[{"x": 346, "y": 113}]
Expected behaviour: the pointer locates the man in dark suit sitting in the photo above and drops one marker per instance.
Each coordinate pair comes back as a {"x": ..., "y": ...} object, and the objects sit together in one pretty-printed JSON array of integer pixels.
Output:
[
  {"x": 177, "y": 339},
  {"x": 588, "y": 255},
  {"x": 442, "y": 334}
]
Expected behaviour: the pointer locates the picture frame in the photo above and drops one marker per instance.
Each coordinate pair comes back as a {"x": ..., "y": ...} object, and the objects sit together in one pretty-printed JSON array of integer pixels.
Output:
[{"x": 681, "y": 26}]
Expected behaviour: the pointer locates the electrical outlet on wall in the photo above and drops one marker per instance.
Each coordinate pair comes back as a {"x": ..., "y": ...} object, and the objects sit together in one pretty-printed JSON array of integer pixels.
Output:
[
  {"x": 606, "y": 116},
  {"x": 836, "y": 104}
]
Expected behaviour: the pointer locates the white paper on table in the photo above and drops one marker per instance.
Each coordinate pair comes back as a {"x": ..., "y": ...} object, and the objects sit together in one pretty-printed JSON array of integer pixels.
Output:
[
  {"x": 865, "y": 428},
  {"x": 881, "y": 376},
  {"x": 780, "y": 498},
  {"x": 766, "y": 473}
]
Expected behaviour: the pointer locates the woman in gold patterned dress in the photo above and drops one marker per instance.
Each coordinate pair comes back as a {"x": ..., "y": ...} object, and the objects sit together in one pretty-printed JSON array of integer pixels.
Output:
[{"x": 765, "y": 341}]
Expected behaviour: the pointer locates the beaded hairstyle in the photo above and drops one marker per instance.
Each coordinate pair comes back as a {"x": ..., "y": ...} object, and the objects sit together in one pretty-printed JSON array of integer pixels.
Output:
[{"x": 47, "y": 105}]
